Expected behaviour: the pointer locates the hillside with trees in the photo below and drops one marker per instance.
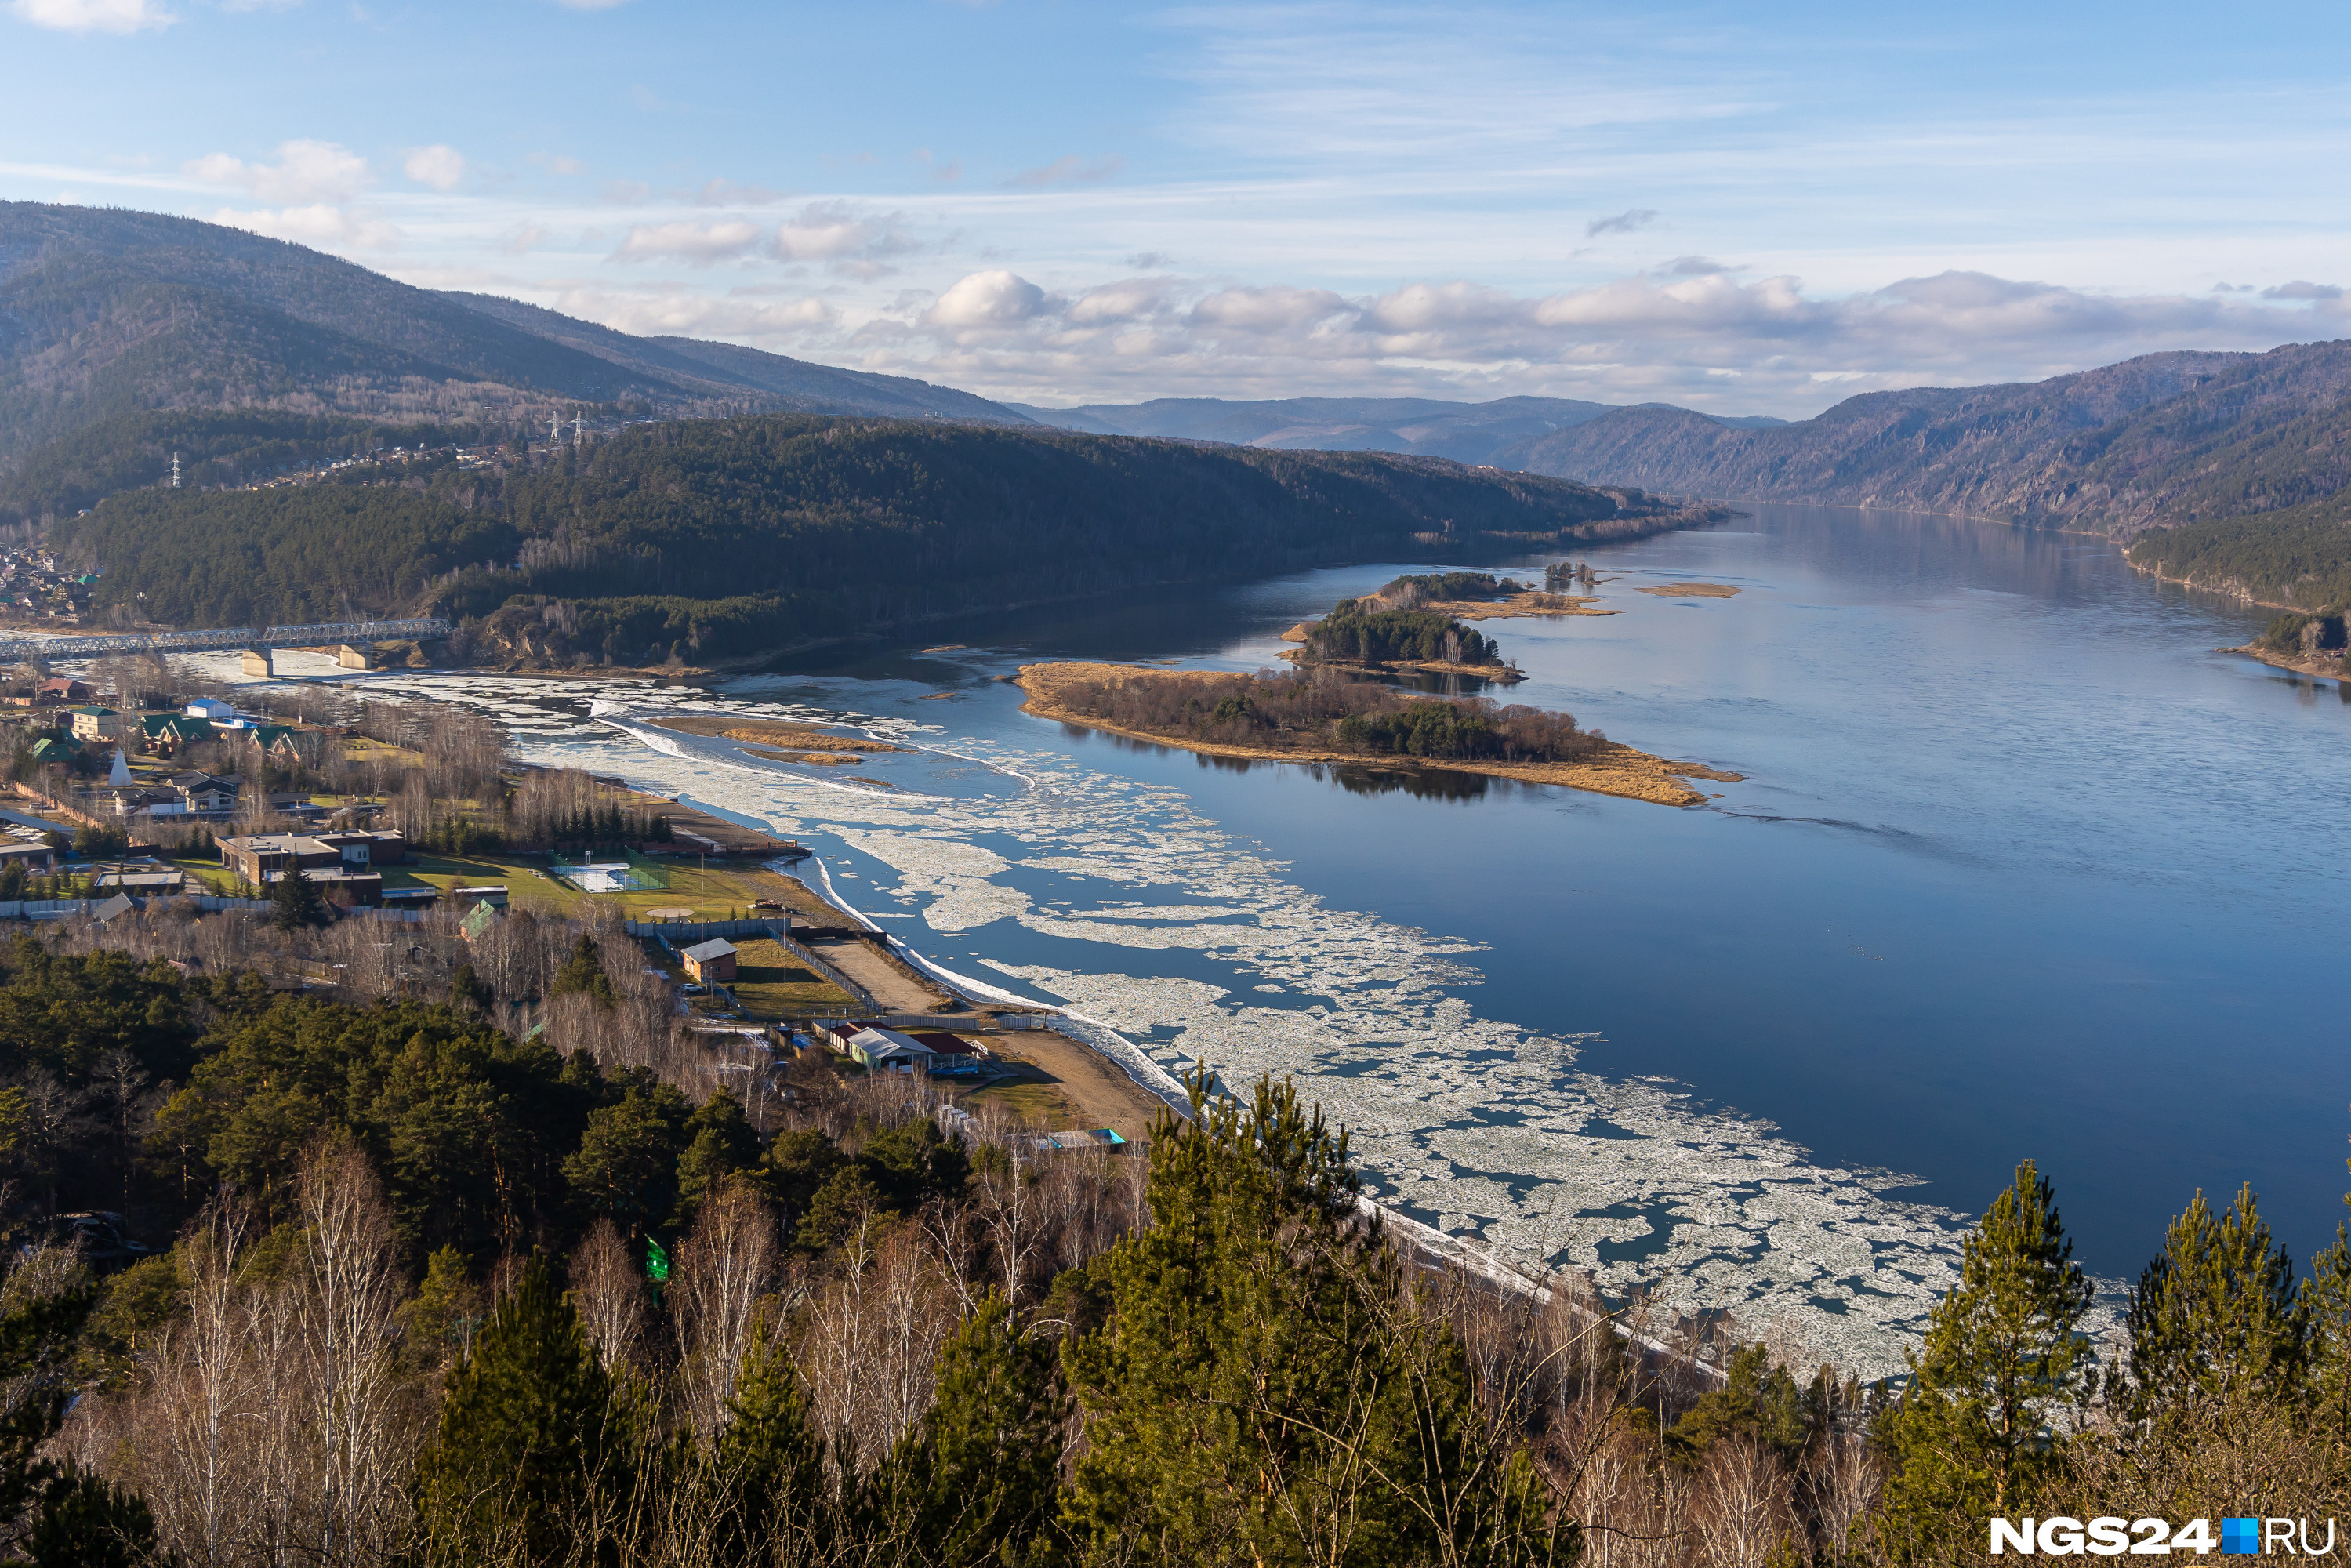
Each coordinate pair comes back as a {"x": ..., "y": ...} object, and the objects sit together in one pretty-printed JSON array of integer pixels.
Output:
[
  {"x": 389, "y": 1281},
  {"x": 112, "y": 314},
  {"x": 719, "y": 537}
]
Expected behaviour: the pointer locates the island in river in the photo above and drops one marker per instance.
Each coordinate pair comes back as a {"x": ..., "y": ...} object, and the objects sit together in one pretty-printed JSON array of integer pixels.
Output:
[{"x": 1294, "y": 718}]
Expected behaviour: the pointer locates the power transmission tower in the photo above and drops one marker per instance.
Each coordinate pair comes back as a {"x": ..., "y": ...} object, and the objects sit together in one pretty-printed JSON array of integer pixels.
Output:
[
  {"x": 575, "y": 427},
  {"x": 175, "y": 470}
]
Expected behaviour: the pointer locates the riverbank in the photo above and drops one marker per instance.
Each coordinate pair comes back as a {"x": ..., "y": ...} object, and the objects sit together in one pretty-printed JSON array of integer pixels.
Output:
[
  {"x": 1618, "y": 770},
  {"x": 1502, "y": 674},
  {"x": 2328, "y": 668}
]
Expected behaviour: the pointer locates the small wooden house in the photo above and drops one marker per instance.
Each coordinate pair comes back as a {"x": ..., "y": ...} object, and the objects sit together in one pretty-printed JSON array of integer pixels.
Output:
[{"x": 710, "y": 962}]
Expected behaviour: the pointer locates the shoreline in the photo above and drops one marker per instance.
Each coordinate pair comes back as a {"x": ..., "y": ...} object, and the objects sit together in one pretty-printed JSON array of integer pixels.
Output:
[
  {"x": 2328, "y": 669},
  {"x": 1623, "y": 772}
]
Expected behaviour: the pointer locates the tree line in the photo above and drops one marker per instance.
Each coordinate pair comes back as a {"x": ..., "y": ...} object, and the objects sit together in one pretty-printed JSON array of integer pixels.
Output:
[
  {"x": 723, "y": 536},
  {"x": 1367, "y": 629},
  {"x": 1321, "y": 708}
]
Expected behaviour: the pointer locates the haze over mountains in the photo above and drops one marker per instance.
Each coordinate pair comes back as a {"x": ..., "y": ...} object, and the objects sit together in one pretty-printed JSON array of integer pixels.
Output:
[{"x": 1467, "y": 432}]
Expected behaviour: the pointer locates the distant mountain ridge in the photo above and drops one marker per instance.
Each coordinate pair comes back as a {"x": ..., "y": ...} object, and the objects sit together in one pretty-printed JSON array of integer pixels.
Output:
[
  {"x": 1478, "y": 432},
  {"x": 2155, "y": 441},
  {"x": 107, "y": 313}
]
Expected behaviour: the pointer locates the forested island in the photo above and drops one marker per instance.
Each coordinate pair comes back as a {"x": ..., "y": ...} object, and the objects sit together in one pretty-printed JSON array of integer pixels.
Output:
[{"x": 1320, "y": 715}]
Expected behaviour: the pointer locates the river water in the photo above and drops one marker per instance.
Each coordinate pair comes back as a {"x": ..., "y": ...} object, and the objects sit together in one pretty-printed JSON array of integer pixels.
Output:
[{"x": 2020, "y": 868}]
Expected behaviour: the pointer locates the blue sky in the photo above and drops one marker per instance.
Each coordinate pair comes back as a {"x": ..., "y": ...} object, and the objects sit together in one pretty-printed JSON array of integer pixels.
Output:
[{"x": 1728, "y": 208}]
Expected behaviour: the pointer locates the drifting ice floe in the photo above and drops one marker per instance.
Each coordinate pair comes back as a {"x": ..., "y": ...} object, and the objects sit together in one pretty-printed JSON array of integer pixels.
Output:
[{"x": 1482, "y": 1128}]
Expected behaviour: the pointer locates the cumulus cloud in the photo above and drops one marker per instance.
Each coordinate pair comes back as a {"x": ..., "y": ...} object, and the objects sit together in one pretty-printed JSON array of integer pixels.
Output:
[
  {"x": 986, "y": 301},
  {"x": 1691, "y": 335},
  {"x": 1697, "y": 266},
  {"x": 556, "y": 164},
  {"x": 676, "y": 313},
  {"x": 698, "y": 245},
  {"x": 117, "y": 17},
  {"x": 319, "y": 184},
  {"x": 1127, "y": 302},
  {"x": 305, "y": 171},
  {"x": 823, "y": 231},
  {"x": 1629, "y": 221},
  {"x": 321, "y": 223},
  {"x": 1269, "y": 309},
  {"x": 1069, "y": 170},
  {"x": 440, "y": 166},
  {"x": 2298, "y": 290}
]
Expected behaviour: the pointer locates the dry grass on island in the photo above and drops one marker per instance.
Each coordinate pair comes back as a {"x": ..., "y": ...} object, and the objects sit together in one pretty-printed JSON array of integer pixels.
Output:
[
  {"x": 1322, "y": 716},
  {"x": 1689, "y": 591},
  {"x": 773, "y": 732}
]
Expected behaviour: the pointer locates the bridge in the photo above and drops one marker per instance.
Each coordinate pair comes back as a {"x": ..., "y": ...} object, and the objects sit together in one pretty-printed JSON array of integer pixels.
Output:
[{"x": 256, "y": 642}]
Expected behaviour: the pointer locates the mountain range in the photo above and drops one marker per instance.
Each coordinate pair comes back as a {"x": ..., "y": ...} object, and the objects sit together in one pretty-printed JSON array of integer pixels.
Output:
[
  {"x": 2155, "y": 441},
  {"x": 128, "y": 337},
  {"x": 1481, "y": 433}
]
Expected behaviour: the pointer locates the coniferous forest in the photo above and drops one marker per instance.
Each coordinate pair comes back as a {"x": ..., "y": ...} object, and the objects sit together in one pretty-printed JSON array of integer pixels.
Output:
[
  {"x": 417, "y": 1287},
  {"x": 726, "y": 536}
]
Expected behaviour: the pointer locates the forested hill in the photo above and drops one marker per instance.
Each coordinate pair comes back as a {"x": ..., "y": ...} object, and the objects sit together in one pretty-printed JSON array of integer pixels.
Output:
[
  {"x": 113, "y": 316},
  {"x": 1428, "y": 427},
  {"x": 714, "y": 538},
  {"x": 2160, "y": 441}
]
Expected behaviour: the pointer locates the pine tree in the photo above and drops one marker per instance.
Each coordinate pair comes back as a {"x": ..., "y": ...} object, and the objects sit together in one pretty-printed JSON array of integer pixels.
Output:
[
  {"x": 974, "y": 1482},
  {"x": 1976, "y": 1436},
  {"x": 2216, "y": 1316},
  {"x": 769, "y": 1465},
  {"x": 87, "y": 1523},
  {"x": 1263, "y": 1392},
  {"x": 295, "y": 902},
  {"x": 530, "y": 1446}
]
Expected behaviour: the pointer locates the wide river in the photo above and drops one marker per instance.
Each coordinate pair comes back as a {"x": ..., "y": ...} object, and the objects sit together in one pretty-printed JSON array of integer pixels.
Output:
[{"x": 2021, "y": 868}]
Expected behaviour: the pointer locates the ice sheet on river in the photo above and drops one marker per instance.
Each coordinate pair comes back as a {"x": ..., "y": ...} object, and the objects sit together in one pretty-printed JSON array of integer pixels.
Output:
[{"x": 1473, "y": 1124}]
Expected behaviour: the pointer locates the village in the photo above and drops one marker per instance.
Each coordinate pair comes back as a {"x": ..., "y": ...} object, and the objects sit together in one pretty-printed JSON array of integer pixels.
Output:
[{"x": 406, "y": 818}]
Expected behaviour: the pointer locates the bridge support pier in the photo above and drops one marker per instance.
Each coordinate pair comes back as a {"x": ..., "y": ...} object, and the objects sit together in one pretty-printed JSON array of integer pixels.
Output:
[
  {"x": 259, "y": 662},
  {"x": 350, "y": 658}
]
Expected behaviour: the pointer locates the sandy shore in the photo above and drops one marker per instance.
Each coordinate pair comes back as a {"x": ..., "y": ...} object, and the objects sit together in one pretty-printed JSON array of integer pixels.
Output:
[
  {"x": 1689, "y": 591},
  {"x": 768, "y": 732},
  {"x": 1504, "y": 674},
  {"x": 1620, "y": 771},
  {"x": 2328, "y": 667},
  {"x": 1535, "y": 602}
]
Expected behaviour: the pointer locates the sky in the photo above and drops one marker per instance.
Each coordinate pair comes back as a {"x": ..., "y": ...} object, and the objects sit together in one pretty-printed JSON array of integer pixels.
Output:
[{"x": 1739, "y": 209}]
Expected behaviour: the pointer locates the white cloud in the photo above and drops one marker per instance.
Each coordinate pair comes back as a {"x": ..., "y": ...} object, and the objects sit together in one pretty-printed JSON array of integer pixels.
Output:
[
  {"x": 591, "y": 5},
  {"x": 676, "y": 313},
  {"x": 321, "y": 224},
  {"x": 1123, "y": 302},
  {"x": 93, "y": 16},
  {"x": 306, "y": 171},
  {"x": 440, "y": 166},
  {"x": 699, "y": 244},
  {"x": 988, "y": 302},
  {"x": 823, "y": 231},
  {"x": 1267, "y": 309}
]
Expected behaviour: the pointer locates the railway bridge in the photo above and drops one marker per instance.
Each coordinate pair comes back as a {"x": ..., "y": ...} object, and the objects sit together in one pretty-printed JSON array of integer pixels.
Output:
[{"x": 257, "y": 643}]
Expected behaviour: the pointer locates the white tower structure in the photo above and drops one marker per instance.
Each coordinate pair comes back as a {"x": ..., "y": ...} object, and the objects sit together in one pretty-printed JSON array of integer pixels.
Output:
[
  {"x": 175, "y": 470},
  {"x": 575, "y": 427}
]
